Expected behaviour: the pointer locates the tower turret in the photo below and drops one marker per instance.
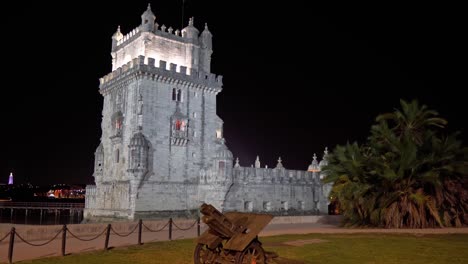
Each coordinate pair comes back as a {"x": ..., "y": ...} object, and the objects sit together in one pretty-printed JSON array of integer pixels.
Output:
[
  {"x": 116, "y": 37},
  {"x": 190, "y": 31},
  {"x": 206, "y": 49},
  {"x": 147, "y": 20}
]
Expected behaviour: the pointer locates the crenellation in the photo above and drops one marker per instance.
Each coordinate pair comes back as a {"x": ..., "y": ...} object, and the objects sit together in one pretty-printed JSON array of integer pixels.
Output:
[
  {"x": 183, "y": 70},
  {"x": 173, "y": 67},
  {"x": 139, "y": 61},
  {"x": 151, "y": 62},
  {"x": 162, "y": 65},
  {"x": 211, "y": 77}
]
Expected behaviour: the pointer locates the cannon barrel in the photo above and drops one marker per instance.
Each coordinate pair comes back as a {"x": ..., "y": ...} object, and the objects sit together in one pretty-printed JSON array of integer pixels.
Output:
[{"x": 219, "y": 223}]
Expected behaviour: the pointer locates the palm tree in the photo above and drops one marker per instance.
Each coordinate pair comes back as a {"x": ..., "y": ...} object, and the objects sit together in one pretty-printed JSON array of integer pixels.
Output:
[
  {"x": 405, "y": 176},
  {"x": 412, "y": 120}
]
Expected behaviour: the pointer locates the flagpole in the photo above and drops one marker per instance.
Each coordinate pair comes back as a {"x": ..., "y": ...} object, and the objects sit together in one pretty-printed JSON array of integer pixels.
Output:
[{"x": 182, "y": 24}]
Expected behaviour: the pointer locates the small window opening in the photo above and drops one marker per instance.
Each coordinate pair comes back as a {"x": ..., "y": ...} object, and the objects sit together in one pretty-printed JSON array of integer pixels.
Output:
[
  {"x": 117, "y": 156},
  {"x": 179, "y": 95},
  {"x": 248, "y": 206},
  {"x": 284, "y": 205},
  {"x": 219, "y": 134}
]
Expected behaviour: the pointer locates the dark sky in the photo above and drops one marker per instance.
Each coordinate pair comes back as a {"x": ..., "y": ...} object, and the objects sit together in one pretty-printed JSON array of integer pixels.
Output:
[{"x": 296, "y": 78}]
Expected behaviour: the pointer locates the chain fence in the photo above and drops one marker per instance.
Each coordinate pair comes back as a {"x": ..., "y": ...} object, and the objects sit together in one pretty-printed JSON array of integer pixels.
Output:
[
  {"x": 6, "y": 235},
  {"x": 107, "y": 231}
]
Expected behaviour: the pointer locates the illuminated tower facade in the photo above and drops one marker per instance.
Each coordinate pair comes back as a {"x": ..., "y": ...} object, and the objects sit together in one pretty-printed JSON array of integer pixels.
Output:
[
  {"x": 160, "y": 130},
  {"x": 162, "y": 151}
]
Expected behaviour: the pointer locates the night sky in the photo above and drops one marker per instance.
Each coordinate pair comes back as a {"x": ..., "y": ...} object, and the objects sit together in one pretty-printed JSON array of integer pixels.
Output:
[{"x": 296, "y": 78}]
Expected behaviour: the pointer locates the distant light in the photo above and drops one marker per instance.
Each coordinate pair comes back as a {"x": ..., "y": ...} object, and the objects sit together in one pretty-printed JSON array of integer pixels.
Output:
[{"x": 10, "y": 179}]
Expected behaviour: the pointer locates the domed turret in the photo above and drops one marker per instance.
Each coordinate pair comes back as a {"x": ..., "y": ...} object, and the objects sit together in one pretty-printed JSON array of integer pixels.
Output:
[
  {"x": 116, "y": 37},
  {"x": 139, "y": 148},
  {"x": 206, "y": 39},
  {"x": 323, "y": 163},
  {"x": 224, "y": 153},
  {"x": 206, "y": 49},
  {"x": 147, "y": 20},
  {"x": 190, "y": 31},
  {"x": 314, "y": 166}
]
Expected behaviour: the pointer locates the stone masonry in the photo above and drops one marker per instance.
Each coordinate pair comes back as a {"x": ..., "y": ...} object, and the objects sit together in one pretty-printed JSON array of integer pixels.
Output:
[{"x": 162, "y": 151}]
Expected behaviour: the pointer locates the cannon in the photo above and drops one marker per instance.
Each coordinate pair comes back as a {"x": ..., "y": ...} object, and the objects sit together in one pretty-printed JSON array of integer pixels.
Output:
[{"x": 231, "y": 238}]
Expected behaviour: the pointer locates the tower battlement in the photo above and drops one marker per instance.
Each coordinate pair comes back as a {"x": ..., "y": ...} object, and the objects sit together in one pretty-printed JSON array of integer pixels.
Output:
[
  {"x": 186, "y": 47},
  {"x": 175, "y": 35},
  {"x": 173, "y": 73}
]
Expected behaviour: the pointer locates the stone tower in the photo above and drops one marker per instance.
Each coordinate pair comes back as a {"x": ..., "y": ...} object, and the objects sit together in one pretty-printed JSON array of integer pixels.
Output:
[
  {"x": 160, "y": 133},
  {"x": 162, "y": 151}
]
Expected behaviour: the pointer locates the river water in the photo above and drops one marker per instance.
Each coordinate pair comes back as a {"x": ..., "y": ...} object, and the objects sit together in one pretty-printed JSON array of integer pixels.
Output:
[{"x": 34, "y": 217}]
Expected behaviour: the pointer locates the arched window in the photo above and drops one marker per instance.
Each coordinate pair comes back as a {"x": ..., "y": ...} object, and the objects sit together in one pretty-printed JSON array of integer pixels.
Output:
[
  {"x": 179, "y": 95},
  {"x": 176, "y": 95},
  {"x": 221, "y": 167},
  {"x": 117, "y": 122}
]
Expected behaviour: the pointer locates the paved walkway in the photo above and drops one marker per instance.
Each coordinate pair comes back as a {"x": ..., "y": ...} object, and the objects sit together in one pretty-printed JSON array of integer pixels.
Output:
[{"x": 23, "y": 251}]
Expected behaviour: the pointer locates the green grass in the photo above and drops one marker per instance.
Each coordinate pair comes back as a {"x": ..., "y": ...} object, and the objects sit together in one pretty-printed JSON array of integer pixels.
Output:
[{"x": 342, "y": 249}]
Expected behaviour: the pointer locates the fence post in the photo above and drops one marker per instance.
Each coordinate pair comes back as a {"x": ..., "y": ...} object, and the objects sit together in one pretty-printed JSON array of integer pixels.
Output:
[
  {"x": 140, "y": 224},
  {"x": 106, "y": 244},
  {"x": 170, "y": 228},
  {"x": 10, "y": 246},
  {"x": 198, "y": 226},
  {"x": 64, "y": 239}
]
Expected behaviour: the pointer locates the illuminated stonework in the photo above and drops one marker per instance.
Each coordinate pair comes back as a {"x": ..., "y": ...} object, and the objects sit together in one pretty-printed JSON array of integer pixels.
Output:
[{"x": 162, "y": 150}]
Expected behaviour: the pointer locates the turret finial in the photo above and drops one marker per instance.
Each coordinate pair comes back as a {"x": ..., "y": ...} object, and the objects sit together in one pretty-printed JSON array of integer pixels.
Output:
[
  {"x": 257, "y": 162},
  {"x": 206, "y": 26},
  {"x": 237, "y": 165},
  {"x": 149, "y": 6},
  {"x": 279, "y": 165},
  {"x": 190, "y": 21},
  {"x": 326, "y": 151},
  {"x": 314, "y": 157}
]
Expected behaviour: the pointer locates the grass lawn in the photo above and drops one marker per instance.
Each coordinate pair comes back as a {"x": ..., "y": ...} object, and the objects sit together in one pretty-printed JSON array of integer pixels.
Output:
[{"x": 313, "y": 248}]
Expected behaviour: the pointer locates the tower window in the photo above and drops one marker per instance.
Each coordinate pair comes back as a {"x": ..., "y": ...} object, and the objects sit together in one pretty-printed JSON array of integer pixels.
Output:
[
  {"x": 248, "y": 206},
  {"x": 176, "y": 95},
  {"x": 219, "y": 134},
  {"x": 180, "y": 125},
  {"x": 179, "y": 95},
  {"x": 221, "y": 166},
  {"x": 117, "y": 156},
  {"x": 284, "y": 205},
  {"x": 300, "y": 205},
  {"x": 117, "y": 122}
]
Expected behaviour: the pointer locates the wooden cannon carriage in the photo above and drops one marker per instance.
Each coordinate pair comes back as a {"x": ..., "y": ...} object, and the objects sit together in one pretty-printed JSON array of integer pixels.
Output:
[{"x": 231, "y": 238}]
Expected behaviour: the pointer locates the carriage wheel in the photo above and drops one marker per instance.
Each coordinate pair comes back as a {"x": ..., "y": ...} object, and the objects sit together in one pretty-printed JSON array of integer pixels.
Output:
[
  {"x": 204, "y": 255},
  {"x": 253, "y": 254}
]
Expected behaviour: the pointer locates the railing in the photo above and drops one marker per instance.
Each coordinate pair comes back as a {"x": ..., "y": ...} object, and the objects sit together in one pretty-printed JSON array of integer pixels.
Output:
[
  {"x": 106, "y": 231},
  {"x": 43, "y": 205}
]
